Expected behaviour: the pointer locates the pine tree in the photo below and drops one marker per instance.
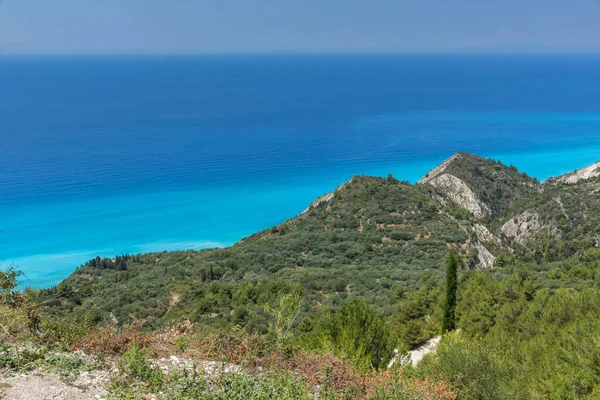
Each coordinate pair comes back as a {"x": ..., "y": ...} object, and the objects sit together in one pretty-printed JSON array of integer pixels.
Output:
[{"x": 449, "y": 321}]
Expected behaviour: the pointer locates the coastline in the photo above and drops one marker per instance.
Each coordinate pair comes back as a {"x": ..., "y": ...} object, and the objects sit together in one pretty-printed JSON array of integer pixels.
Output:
[{"x": 182, "y": 217}]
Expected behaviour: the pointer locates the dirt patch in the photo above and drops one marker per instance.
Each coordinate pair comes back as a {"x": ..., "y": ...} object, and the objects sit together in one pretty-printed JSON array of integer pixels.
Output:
[{"x": 50, "y": 386}]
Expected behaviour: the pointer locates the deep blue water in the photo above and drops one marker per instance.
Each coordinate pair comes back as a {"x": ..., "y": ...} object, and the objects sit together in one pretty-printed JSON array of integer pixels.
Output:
[{"x": 107, "y": 155}]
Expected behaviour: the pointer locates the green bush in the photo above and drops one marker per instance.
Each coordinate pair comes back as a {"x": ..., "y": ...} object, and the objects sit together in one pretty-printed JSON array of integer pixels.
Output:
[
  {"x": 260, "y": 387},
  {"x": 473, "y": 369},
  {"x": 137, "y": 365},
  {"x": 357, "y": 334}
]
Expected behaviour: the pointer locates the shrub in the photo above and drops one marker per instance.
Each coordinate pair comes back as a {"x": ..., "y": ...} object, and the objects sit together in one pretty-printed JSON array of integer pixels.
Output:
[
  {"x": 260, "y": 387},
  {"x": 357, "y": 334},
  {"x": 391, "y": 385},
  {"x": 14, "y": 325},
  {"x": 136, "y": 369},
  {"x": 473, "y": 368}
]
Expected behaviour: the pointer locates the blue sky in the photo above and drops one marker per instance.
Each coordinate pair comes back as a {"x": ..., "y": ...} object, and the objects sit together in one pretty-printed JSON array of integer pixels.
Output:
[{"x": 234, "y": 26}]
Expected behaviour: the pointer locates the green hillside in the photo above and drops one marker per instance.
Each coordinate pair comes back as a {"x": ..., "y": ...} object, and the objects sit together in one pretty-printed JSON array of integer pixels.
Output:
[
  {"x": 361, "y": 272},
  {"x": 370, "y": 239},
  {"x": 374, "y": 236}
]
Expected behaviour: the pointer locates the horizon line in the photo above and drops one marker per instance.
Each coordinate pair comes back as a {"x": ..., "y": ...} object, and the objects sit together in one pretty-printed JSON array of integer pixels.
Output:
[{"x": 298, "y": 53}]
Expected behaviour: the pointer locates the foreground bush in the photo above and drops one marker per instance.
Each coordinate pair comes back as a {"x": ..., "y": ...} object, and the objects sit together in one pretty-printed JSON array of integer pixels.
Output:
[
  {"x": 472, "y": 368},
  {"x": 357, "y": 334}
]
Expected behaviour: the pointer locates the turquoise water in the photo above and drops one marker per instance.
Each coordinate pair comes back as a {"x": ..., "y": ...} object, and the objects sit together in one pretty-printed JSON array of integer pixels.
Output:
[{"x": 120, "y": 154}]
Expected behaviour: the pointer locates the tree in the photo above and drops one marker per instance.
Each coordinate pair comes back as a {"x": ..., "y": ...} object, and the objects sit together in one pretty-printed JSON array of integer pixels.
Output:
[
  {"x": 449, "y": 320},
  {"x": 9, "y": 279},
  {"x": 359, "y": 335},
  {"x": 284, "y": 316}
]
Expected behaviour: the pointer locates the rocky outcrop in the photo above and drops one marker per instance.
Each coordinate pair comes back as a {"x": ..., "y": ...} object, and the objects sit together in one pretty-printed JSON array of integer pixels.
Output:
[
  {"x": 591, "y": 171},
  {"x": 483, "y": 186},
  {"x": 485, "y": 236},
  {"x": 414, "y": 356},
  {"x": 485, "y": 259},
  {"x": 439, "y": 169},
  {"x": 524, "y": 226},
  {"x": 454, "y": 188},
  {"x": 458, "y": 192}
]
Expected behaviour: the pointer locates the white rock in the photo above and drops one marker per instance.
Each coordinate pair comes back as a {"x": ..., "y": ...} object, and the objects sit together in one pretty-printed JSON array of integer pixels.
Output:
[
  {"x": 458, "y": 191},
  {"x": 485, "y": 259},
  {"x": 438, "y": 170}
]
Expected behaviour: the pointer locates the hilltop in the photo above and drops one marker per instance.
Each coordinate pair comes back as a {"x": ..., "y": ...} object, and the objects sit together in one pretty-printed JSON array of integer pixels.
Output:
[{"x": 486, "y": 188}]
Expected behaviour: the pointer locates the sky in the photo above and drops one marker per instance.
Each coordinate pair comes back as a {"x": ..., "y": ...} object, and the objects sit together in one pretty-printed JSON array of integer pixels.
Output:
[{"x": 280, "y": 26}]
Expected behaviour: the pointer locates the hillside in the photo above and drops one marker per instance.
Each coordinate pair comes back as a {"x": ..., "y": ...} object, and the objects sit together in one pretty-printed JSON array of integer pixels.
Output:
[
  {"x": 367, "y": 239},
  {"x": 312, "y": 304},
  {"x": 562, "y": 218},
  {"x": 372, "y": 236}
]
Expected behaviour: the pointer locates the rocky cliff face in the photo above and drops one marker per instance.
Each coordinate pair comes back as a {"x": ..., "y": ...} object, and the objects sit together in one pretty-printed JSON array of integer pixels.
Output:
[
  {"x": 485, "y": 188},
  {"x": 511, "y": 209},
  {"x": 459, "y": 192},
  {"x": 523, "y": 227},
  {"x": 485, "y": 236},
  {"x": 485, "y": 259},
  {"x": 454, "y": 188},
  {"x": 439, "y": 169}
]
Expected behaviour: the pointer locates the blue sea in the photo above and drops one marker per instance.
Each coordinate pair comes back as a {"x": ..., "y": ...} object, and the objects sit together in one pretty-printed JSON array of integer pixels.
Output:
[{"x": 122, "y": 154}]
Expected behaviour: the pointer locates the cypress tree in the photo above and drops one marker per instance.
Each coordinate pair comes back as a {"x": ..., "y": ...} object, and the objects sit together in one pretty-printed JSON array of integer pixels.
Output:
[{"x": 449, "y": 321}]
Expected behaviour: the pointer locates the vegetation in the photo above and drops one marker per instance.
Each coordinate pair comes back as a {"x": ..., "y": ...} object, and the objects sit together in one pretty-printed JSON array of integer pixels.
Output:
[
  {"x": 499, "y": 187},
  {"x": 313, "y": 377},
  {"x": 376, "y": 235},
  {"x": 449, "y": 322},
  {"x": 320, "y": 303},
  {"x": 356, "y": 334},
  {"x": 518, "y": 340}
]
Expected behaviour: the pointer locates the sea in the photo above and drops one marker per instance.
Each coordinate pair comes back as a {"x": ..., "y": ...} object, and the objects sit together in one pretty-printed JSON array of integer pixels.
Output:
[{"x": 107, "y": 155}]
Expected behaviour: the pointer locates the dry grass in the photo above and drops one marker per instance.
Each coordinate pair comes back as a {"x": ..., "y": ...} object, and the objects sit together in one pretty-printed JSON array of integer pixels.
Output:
[
  {"x": 391, "y": 383},
  {"x": 325, "y": 370},
  {"x": 256, "y": 354},
  {"x": 116, "y": 341},
  {"x": 251, "y": 351}
]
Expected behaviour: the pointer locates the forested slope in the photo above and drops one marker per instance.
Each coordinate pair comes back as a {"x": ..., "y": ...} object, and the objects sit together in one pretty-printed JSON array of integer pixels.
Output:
[
  {"x": 369, "y": 239},
  {"x": 374, "y": 235}
]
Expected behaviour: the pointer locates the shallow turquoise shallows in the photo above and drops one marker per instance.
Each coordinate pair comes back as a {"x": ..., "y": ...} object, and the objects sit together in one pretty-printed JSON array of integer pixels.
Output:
[{"x": 112, "y": 155}]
